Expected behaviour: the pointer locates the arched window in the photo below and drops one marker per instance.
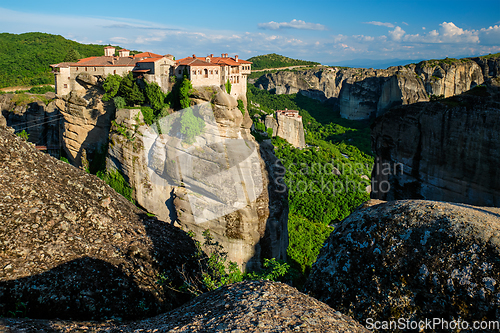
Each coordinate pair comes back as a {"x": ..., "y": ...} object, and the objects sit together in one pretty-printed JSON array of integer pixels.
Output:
[
  {"x": 206, "y": 73},
  {"x": 114, "y": 72}
]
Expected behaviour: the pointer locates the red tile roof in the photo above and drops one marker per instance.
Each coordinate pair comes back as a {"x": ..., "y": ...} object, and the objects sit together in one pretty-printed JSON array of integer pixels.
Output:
[
  {"x": 147, "y": 55},
  {"x": 190, "y": 61},
  {"x": 214, "y": 61}
]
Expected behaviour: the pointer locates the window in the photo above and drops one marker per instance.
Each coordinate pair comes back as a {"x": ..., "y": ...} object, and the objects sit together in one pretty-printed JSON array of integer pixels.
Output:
[
  {"x": 194, "y": 72},
  {"x": 114, "y": 72},
  {"x": 211, "y": 72},
  {"x": 180, "y": 71},
  {"x": 65, "y": 85},
  {"x": 85, "y": 68},
  {"x": 206, "y": 72},
  {"x": 216, "y": 72}
]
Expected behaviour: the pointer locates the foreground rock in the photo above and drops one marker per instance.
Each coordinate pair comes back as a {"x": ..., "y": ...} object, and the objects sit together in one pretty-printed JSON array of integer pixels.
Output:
[
  {"x": 445, "y": 150},
  {"x": 71, "y": 247},
  {"x": 242, "y": 307},
  {"x": 412, "y": 260}
]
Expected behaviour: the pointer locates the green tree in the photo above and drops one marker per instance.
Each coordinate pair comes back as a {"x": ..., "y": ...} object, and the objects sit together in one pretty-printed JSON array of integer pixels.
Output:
[
  {"x": 228, "y": 86},
  {"x": 111, "y": 86},
  {"x": 129, "y": 89},
  {"x": 72, "y": 56},
  {"x": 155, "y": 96},
  {"x": 184, "y": 92}
]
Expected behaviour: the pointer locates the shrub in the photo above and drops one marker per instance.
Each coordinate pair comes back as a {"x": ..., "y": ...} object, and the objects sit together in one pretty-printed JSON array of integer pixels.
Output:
[
  {"x": 23, "y": 135},
  {"x": 148, "y": 115},
  {"x": 241, "y": 107},
  {"x": 119, "y": 102},
  {"x": 115, "y": 179},
  {"x": 228, "y": 87},
  {"x": 191, "y": 126},
  {"x": 270, "y": 132}
]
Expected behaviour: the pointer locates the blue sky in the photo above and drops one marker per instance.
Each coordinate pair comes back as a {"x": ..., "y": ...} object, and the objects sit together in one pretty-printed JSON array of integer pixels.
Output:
[{"x": 323, "y": 31}]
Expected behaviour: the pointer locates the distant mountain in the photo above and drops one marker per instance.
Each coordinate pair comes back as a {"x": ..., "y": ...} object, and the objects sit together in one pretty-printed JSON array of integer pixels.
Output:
[
  {"x": 274, "y": 60},
  {"x": 376, "y": 64},
  {"x": 25, "y": 58}
]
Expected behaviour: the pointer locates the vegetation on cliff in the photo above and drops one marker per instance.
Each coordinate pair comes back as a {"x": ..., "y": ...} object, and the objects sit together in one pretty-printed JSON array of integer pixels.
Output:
[
  {"x": 25, "y": 58},
  {"x": 274, "y": 60},
  {"x": 327, "y": 180}
]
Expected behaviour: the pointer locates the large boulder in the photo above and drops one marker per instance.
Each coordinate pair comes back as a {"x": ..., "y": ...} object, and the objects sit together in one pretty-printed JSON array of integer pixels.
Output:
[
  {"x": 72, "y": 248},
  {"x": 243, "y": 307},
  {"x": 412, "y": 260}
]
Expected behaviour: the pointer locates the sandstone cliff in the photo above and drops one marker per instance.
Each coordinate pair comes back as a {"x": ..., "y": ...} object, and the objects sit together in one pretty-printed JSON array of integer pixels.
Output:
[
  {"x": 243, "y": 307},
  {"x": 72, "y": 248},
  {"x": 288, "y": 127},
  {"x": 366, "y": 93},
  {"x": 218, "y": 182},
  {"x": 445, "y": 150},
  {"x": 414, "y": 260}
]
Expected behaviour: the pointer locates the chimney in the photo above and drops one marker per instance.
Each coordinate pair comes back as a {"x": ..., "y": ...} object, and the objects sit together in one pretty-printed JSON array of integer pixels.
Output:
[
  {"x": 207, "y": 59},
  {"x": 194, "y": 55},
  {"x": 123, "y": 53},
  {"x": 226, "y": 55},
  {"x": 109, "y": 51},
  {"x": 211, "y": 55},
  {"x": 236, "y": 58}
]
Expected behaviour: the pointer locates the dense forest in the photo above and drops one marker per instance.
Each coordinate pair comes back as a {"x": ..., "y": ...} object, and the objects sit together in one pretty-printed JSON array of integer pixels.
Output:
[
  {"x": 326, "y": 180},
  {"x": 25, "y": 58},
  {"x": 274, "y": 60}
]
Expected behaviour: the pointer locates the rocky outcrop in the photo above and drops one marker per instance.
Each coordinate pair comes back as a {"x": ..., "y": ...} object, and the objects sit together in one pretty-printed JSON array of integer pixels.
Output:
[
  {"x": 242, "y": 307},
  {"x": 35, "y": 114},
  {"x": 366, "y": 93},
  {"x": 287, "y": 125},
  {"x": 72, "y": 248},
  {"x": 218, "y": 181},
  {"x": 87, "y": 120},
  {"x": 412, "y": 260},
  {"x": 444, "y": 150}
]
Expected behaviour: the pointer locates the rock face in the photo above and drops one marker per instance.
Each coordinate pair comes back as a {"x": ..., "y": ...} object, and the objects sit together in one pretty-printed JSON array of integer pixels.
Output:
[
  {"x": 366, "y": 93},
  {"x": 445, "y": 150},
  {"x": 72, "y": 248},
  {"x": 242, "y": 307},
  {"x": 42, "y": 122},
  {"x": 87, "y": 120},
  {"x": 77, "y": 123},
  {"x": 287, "y": 126},
  {"x": 218, "y": 182},
  {"x": 412, "y": 260}
]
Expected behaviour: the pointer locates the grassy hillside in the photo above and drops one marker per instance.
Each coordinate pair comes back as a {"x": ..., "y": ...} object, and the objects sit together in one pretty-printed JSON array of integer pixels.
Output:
[
  {"x": 25, "y": 58},
  {"x": 274, "y": 60}
]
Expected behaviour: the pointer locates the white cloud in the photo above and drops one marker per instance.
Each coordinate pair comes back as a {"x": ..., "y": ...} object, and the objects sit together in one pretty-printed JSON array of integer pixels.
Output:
[
  {"x": 490, "y": 36},
  {"x": 450, "y": 33},
  {"x": 397, "y": 33},
  {"x": 384, "y": 24},
  {"x": 293, "y": 24},
  {"x": 405, "y": 23}
]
